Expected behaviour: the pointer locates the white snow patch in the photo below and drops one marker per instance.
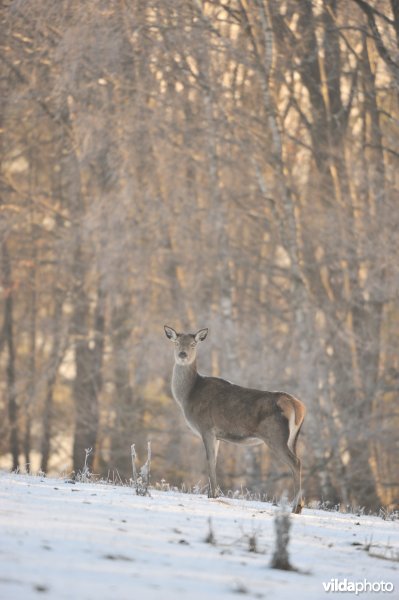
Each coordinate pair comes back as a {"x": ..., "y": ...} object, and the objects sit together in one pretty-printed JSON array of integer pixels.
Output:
[{"x": 94, "y": 542}]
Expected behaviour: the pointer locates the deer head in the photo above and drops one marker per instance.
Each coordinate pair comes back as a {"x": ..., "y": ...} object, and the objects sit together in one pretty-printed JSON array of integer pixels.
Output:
[{"x": 185, "y": 344}]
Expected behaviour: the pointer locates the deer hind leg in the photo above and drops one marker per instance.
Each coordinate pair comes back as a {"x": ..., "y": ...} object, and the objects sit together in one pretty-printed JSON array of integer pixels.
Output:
[
  {"x": 295, "y": 465},
  {"x": 289, "y": 458},
  {"x": 276, "y": 438},
  {"x": 211, "y": 448}
]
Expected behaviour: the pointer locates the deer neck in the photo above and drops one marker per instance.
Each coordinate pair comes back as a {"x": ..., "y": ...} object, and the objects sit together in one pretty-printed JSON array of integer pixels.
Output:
[{"x": 183, "y": 381}]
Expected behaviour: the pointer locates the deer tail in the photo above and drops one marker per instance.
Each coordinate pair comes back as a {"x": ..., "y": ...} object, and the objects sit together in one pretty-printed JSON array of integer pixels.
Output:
[{"x": 294, "y": 411}]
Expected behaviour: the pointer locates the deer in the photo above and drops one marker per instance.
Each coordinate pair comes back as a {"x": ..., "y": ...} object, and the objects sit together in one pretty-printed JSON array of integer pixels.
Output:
[{"x": 217, "y": 410}]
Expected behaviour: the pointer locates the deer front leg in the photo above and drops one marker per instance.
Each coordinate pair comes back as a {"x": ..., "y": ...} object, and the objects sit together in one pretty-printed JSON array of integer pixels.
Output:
[{"x": 211, "y": 448}]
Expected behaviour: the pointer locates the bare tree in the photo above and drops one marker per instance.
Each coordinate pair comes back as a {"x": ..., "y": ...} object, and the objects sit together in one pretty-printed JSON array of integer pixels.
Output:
[{"x": 228, "y": 163}]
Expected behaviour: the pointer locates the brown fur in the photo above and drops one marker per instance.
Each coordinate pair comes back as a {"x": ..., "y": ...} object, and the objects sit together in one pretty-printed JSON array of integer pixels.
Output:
[{"x": 216, "y": 409}]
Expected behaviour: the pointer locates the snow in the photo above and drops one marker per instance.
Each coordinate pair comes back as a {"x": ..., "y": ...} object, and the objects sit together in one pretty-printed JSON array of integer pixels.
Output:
[{"x": 89, "y": 541}]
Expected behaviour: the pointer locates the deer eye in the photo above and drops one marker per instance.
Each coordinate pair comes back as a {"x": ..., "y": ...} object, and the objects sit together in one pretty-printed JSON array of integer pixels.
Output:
[{"x": 193, "y": 345}]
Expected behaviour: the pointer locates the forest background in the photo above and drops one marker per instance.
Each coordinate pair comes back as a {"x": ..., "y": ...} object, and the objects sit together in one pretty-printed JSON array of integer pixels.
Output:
[{"x": 222, "y": 164}]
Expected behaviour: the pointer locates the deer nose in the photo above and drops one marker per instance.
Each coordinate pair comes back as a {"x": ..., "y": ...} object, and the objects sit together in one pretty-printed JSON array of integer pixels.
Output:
[{"x": 182, "y": 354}]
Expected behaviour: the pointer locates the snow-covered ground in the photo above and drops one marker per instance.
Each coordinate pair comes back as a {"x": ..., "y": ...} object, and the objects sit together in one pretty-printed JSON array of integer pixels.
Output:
[{"x": 93, "y": 542}]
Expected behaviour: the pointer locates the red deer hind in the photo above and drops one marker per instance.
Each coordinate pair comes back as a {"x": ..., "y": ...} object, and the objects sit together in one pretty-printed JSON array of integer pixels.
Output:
[{"x": 216, "y": 409}]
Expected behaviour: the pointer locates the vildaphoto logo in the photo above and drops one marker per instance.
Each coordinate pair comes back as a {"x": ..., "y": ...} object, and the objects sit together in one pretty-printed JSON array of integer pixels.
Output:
[{"x": 346, "y": 585}]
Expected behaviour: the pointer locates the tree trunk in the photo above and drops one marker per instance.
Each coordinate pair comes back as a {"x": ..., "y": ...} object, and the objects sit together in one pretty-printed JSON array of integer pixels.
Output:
[
  {"x": 8, "y": 329},
  {"x": 56, "y": 355},
  {"x": 128, "y": 425},
  {"x": 88, "y": 363},
  {"x": 31, "y": 390}
]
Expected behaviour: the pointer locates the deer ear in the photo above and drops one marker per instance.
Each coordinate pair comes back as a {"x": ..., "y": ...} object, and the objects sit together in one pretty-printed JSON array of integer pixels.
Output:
[
  {"x": 170, "y": 333},
  {"x": 201, "y": 335}
]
